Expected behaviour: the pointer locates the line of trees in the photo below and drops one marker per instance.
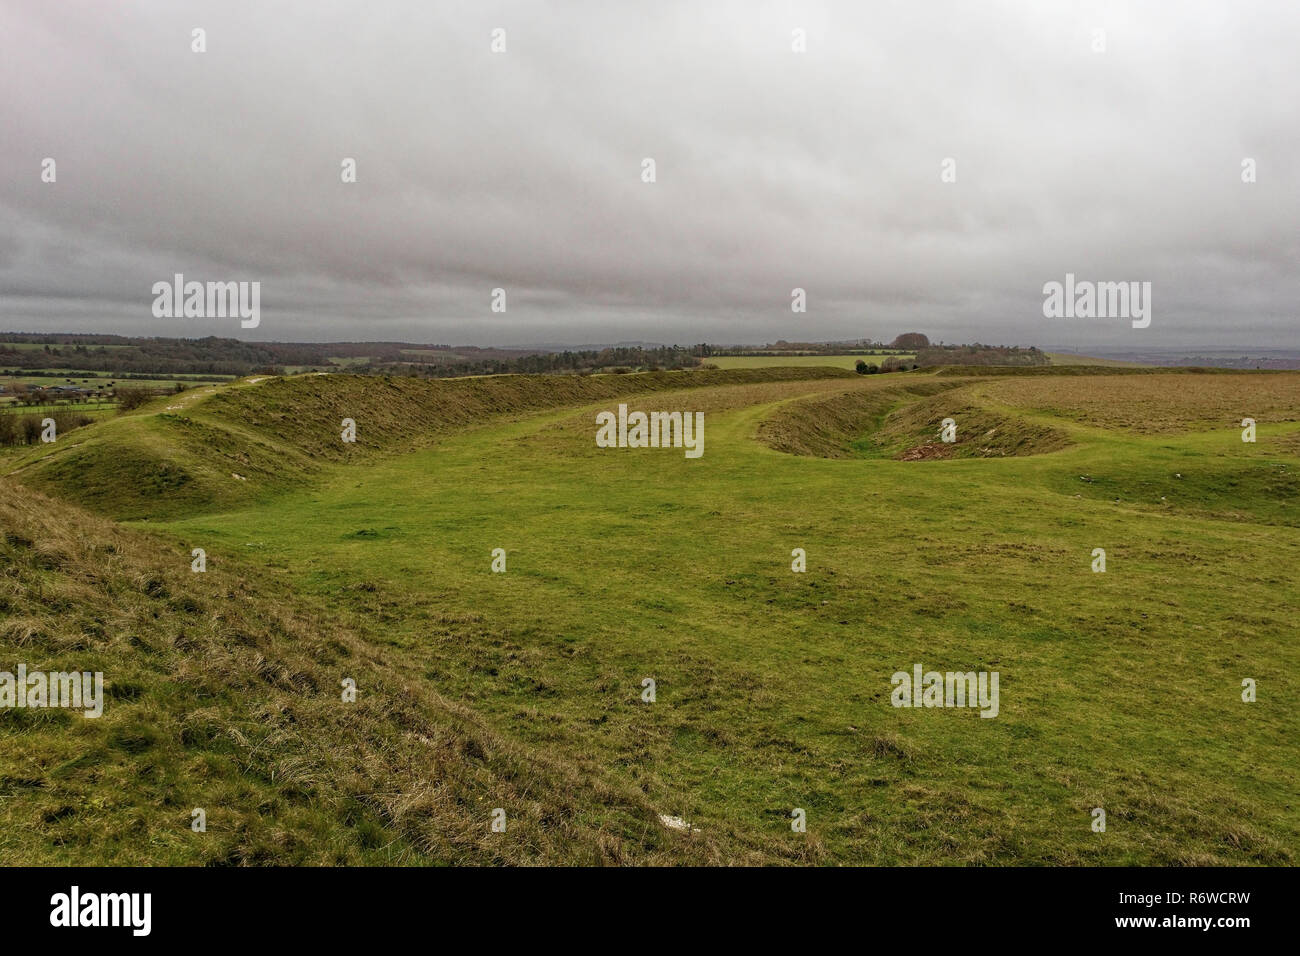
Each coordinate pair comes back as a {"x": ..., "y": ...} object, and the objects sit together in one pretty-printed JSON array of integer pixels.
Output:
[
  {"x": 26, "y": 429},
  {"x": 211, "y": 355},
  {"x": 980, "y": 355},
  {"x": 614, "y": 359},
  {"x": 61, "y": 372},
  {"x": 893, "y": 363}
]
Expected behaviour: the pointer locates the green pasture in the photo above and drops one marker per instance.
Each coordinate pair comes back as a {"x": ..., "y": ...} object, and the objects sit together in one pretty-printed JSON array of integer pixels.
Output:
[{"x": 1119, "y": 690}]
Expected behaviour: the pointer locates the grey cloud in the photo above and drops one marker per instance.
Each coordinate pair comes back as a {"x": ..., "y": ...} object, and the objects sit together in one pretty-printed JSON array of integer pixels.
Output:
[{"x": 775, "y": 170}]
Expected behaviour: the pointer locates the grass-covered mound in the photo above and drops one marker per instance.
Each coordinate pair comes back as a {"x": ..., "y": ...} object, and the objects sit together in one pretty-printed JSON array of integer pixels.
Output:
[
  {"x": 903, "y": 420},
  {"x": 227, "y": 447}
]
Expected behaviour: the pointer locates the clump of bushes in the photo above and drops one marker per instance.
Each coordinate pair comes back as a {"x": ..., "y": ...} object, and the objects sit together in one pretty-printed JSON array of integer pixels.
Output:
[
  {"x": 129, "y": 397},
  {"x": 26, "y": 429},
  {"x": 891, "y": 364},
  {"x": 895, "y": 364}
]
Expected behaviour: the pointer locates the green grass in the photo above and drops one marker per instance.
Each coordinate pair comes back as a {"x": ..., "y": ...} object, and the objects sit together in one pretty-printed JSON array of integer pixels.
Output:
[
  {"x": 96, "y": 409},
  {"x": 1119, "y": 690},
  {"x": 223, "y": 694},
  {"x": 774, "y": 686},
  {"x": 213, "y": 448}
]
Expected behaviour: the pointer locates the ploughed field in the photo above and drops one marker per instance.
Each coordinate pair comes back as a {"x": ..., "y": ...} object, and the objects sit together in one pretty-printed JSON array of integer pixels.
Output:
[{"x": 525, "y": 689}]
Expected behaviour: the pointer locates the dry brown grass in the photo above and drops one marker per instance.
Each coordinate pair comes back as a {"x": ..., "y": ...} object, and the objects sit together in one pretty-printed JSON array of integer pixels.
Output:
[{"x": 1156, "y": 403}]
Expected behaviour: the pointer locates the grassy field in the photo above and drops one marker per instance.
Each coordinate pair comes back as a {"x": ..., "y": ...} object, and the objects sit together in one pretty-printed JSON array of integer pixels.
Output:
[
  {"x": 94, "y": 409},
  {"x": 802, "y": 361},
  {"x": 60, "y": 405},
  {"x": 523, "y": 689},
  {"x": 91, "y": 380},
  {"x": 850, "y": 361}
]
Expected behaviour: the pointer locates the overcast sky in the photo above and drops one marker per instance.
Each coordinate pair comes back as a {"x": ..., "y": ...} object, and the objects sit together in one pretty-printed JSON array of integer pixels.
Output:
[{"x": 774, "y": 169}]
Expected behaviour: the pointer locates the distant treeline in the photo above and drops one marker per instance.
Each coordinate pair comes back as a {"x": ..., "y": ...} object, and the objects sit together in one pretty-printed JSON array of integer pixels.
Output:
[
  {"x": 125, "y": 356},
  {"x": 96, "y": 376},
  {"x": 979, "y": 355},
  {"x": 907, "y": 342},
  {"x": 128, "y": 356},
  {"x": 782, "y": 347},
  {"x": 207, "y": 356},
  {"x": 620, "y": 359},
  {"x": 122, "y": 355}
]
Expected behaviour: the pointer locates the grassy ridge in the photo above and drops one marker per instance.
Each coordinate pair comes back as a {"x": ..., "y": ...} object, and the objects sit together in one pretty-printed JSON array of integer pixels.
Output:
[
  {"x": 391, "y": 414},
  {"x": 215, "y": 449}
]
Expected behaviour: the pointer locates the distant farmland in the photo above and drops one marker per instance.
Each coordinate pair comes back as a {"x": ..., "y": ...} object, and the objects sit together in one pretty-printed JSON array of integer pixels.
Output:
[
  {"x": 803, "y": 361},
  {"x": 1070, "y": 358}
]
